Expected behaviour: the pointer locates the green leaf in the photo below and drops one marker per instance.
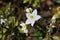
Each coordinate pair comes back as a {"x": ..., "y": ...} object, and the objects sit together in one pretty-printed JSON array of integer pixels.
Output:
[
  {"x": 36, "y": 3},
  {"x": 3, "y": 37},
  {"x": 37, "y": 34},
  {"x": 16, "y": 23},
  {"x": 7, "y": 9},
  {"x": 57, "y": 15},
  {"x": 58, "y": 1},
  {"x": 42, "y": 0},
  {"x": 1, "y": 12},
  {"x": 19, "y": 29},
  {"x": 4, "y": 30},
  {"x": 30, "y": 1},
  {"x": 11, "y": 19},
  {"x": 25, "y": 1},
  {"x": 0, "y": 35},
  {"x": 39, "y": 28}
]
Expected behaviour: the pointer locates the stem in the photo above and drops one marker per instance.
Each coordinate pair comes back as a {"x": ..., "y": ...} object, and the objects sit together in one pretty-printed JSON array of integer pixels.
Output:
[
  {"x": 2, "y": 32},
  {"x": 48, "y": 33},
  {"x": 49, "y": 36}
]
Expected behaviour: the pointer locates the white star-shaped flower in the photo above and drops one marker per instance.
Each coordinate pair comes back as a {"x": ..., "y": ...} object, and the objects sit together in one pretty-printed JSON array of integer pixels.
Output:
[
  {"x": 24, "y": 29},
  {"x": 32, "y": 17}
]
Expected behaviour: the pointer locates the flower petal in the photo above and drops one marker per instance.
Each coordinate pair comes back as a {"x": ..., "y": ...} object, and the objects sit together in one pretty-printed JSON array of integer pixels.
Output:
[
  {"x": 53, "y": 17},
  {"x": 27, "y": 10},
  {"x": 2, "y": 21},
  {"x": 25, "y": 31},
  {"x": 22, "y": 24},
  {"x": 28, "y": 21},
  {"x": 32, "y": 23},
  {"x": 34, "y": 12},
  {"x": 37, "y": 17},
  {"x": 28, "y": 15}
]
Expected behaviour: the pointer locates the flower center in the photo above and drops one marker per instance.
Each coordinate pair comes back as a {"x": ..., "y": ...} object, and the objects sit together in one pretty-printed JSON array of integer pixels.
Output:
[{"x": 31, "y": 17}]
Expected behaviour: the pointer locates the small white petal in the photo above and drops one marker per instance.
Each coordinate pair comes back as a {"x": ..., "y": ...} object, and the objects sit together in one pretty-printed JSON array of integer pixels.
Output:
[
  {"x": 2, "y": 21},
  {"x": 21, "y": 24},
  {"x": 25, "y": 31},
  {"x": 5, "y": 19},
  {"x": 27, "y": 10},
  {"x": 30, "y": 9},
  {"x": 53, "y": 17},
  {"x": 37, "y": 17},
  {"x": 28, "y": 15},
  {"x": 32, "y": 24},
  {"x": 28, "y": 21},
  {"x": 34, "y": 12},
  {"x": 50, "y": 24}
]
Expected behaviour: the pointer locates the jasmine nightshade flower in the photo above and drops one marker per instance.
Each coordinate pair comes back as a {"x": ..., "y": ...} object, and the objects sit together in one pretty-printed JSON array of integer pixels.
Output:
[
  {"x": 32, "y": 17},
  {"x": 24, "y": 29}
]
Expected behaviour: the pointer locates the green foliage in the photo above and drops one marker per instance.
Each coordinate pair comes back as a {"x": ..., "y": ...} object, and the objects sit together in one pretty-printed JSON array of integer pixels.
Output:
[
  {"x": 25, "y": 1},
  {"x": 57, "y": 15},
  {"x": 19, "y": 29},
  {"x": 39, "y": 28},
  {"x": 4, "y": 30},
  {"x": 16, "y": 23},
  {"x": 0, "y": 35},
  {"x": 34, "y": 3},
  {"x": 12, "y": 19},
  {"x": 58, "y": 1},
  {"x": 1, "y": 12},
  {"x": 37, "y": 34},
  {"x": 7, "y": 9}
]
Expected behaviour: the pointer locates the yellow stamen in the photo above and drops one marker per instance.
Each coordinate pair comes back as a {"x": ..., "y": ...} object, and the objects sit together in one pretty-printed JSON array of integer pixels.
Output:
[{"x": 31, "y": 17}]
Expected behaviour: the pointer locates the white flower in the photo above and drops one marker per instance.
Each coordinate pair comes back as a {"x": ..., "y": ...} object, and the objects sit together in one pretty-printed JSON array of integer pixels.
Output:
[
  {"x": 31, "y": 18},
  {"x": 24, "y": 29},
  {"x": 23, "y": 24},
  {"x": 28, "y": 10},
  {"x": 3, "y": 20},
  {"x": 53, "y": 19}
]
